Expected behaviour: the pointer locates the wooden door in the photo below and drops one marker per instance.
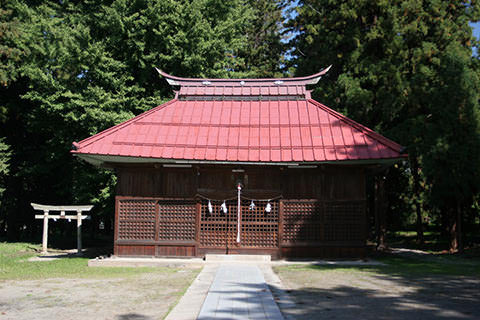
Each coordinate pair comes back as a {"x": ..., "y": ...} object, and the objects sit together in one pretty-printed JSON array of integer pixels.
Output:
[{"x": 259, "y": 228}]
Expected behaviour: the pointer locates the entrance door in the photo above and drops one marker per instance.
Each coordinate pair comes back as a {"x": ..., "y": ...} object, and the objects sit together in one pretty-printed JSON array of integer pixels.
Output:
[{"x": 259, "y": 228}]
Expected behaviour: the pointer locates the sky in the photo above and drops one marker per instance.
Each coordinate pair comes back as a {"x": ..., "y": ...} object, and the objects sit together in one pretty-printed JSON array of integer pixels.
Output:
[
  {"x": 476, "y": 29},
  {"x": 476, "y": 33}
]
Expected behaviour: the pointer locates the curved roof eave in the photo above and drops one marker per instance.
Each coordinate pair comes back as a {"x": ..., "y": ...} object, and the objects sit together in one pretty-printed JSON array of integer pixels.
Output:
[{"x": 297, "y": 81}]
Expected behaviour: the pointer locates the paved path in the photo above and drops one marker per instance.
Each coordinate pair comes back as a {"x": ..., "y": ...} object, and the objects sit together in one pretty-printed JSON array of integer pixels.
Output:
[
  {"x": 239, "y": 291},
  {"x": 230, "y": 289}
]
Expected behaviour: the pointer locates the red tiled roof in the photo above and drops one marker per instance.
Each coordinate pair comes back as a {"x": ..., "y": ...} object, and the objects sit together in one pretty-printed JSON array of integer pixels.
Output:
[
  {"x": 239, "y": 120},
  {"x": 241, "y": 131}
]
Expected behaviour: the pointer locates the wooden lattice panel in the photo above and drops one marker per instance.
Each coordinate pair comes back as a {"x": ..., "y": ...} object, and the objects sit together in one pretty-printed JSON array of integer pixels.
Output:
[
  {"x": 259, "y": 228},
  {"x": 176, "y": 220},
  {"x": 218, "y": 229},
  {"x": 302, "y": 221},
  {"x": 344, "y": 221},
  {"x": 136, "y": 219}
]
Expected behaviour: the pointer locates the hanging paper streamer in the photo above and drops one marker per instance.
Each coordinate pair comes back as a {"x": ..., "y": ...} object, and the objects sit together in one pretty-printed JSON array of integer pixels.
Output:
[
  {"x": 252, "y": 205},
  {"x": 210, "y": 209},
  {"x": 239, "y": 211},
  {"x": 268, "y": 208},
  {"x": 224, "y": 207}
]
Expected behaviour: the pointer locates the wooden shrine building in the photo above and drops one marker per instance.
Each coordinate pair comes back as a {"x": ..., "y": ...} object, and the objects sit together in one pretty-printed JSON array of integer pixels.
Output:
[{"x": 240, "y": 166}]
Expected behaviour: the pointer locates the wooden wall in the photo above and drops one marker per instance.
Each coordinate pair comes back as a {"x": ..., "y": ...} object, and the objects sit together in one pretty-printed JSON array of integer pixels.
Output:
[
  {"x": 325, "y": 182},
  {"x": 322, "y": 211}
]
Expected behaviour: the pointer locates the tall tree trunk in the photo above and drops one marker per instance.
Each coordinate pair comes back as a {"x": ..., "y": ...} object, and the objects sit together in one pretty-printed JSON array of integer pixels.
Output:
[
  {"x": 380, "y": 208},
  {"x": 416, "y": 192},
  {"x": 456, "y": 232},
  {"x": 459, "y": 227},
  {"x": 453, "y": 230}
]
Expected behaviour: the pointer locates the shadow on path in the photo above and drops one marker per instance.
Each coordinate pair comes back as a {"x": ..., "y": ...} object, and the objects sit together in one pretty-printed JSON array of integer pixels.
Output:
[{"x": 133, "y": 316}]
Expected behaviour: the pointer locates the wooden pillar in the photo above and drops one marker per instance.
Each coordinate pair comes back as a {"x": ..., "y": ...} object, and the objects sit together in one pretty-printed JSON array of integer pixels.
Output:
[
  {"x": 79, "y": 232},
  {"x": 380, "y": 212},
  {"x": 280, "y": 227},
  {"x": 45, "y": 231},
  {"x": 198, "y": 216}
]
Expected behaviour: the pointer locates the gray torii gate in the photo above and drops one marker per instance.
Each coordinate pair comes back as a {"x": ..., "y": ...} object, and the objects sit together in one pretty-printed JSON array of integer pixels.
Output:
[{"x": 45, "y": 216}]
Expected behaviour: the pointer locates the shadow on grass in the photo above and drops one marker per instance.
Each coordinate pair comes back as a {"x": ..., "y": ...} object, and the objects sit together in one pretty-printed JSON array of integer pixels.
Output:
[
  {"x": 347, "y": 302},
  {"x": 67, "y": 254},
  {"x": 55, "y": 249},
  {"x": 402, "y": 289}
]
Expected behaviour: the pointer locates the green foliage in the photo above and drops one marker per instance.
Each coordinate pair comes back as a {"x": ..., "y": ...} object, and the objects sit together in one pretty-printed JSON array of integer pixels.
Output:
[
  {"x": 405, "y": 69},
  {"x": 264, "y": 50},
  {"x": 4, "y": 157},
  {"x": 12, "y": 48},
  {"x": 72, "y": 69}
]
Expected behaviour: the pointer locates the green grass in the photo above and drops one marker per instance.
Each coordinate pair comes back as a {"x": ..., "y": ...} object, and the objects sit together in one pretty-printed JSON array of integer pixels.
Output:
[
  {"x": 180, "y": 293},
  {"x": 405, "y": 267},
  {"x": 434, "y": 242},
  {"x": 14, "y": 265},
  {"x": 437, "y": 265}
]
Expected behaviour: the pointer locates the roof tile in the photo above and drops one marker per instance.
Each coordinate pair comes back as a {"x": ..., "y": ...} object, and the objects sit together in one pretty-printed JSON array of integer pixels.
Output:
[{"x": 247, "y": 131}]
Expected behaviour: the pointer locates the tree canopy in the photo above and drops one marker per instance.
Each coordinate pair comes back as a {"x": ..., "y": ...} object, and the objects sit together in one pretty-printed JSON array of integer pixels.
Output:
[
  {"x": 404, "y": 68},
  {"x": 407, "y": 69}
]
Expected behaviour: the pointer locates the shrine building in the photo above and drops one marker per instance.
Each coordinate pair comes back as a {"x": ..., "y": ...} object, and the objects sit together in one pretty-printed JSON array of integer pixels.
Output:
[{"x": 251, "y": 166}]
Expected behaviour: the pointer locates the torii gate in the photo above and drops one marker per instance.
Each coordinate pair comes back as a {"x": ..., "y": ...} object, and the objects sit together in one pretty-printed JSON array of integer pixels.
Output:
[{"x": 45, "y": 216}]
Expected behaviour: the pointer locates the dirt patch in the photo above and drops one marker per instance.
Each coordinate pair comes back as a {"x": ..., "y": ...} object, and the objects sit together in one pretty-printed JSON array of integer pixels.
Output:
[
  {"x": 355, "y": 294},
  {"x": 147, "y": 296}
]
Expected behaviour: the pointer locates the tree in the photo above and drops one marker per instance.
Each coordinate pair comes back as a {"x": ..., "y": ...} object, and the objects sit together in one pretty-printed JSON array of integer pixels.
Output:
[
  {"x": 82, "y": 67},
  {"x": 264, "y": 50},
  {"x": 390, "y": 61}
]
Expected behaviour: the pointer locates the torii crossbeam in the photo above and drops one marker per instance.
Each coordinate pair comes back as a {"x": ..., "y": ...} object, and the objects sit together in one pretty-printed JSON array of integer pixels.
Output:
[{"x": 45, "y": 216}]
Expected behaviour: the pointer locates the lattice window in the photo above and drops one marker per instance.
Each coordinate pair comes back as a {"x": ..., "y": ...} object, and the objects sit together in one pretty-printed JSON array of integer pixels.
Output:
[
  {"x": 176, "y": 220},
  {"x": 344, "y": 221},
  {"x": 136, "y": 219},
  {"x": 302, "y": 221}
]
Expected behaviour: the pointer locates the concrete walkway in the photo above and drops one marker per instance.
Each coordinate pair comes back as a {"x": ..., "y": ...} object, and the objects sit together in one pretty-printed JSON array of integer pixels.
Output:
[
  {"x": 229, "y": 290},
  {"x": 239, "y": 291}
]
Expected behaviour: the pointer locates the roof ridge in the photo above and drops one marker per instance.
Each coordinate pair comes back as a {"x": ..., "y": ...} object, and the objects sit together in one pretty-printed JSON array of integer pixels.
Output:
[
  {"x": 181, "y": 81},
  {"x": 109, "y": 131},
  {"x": 372, "y": 134}
]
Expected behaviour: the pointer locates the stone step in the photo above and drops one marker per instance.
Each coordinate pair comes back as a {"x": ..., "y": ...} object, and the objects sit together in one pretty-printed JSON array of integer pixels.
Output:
[{"x": 237, "y": 258}]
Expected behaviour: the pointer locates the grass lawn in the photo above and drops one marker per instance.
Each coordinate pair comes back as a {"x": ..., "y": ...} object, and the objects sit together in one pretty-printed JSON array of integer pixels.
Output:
[
  {"x": 14, "y": 265},
  {"x": 51, "y": 289}
]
